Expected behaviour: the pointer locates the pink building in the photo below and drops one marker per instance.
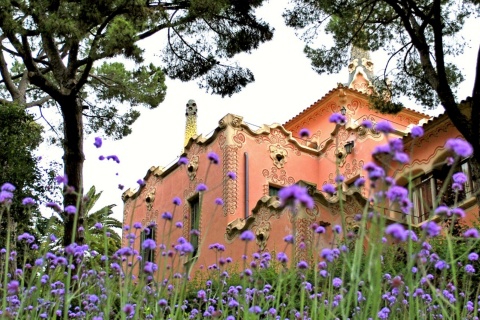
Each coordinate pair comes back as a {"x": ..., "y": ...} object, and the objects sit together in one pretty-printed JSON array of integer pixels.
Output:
[{"x": 274, "y": 156}]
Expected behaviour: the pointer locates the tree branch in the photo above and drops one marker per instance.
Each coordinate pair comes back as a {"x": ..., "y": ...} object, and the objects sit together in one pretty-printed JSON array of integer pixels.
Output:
[
  {"x": 9, "y": 84},
  {"x": 38, "y": 102}
]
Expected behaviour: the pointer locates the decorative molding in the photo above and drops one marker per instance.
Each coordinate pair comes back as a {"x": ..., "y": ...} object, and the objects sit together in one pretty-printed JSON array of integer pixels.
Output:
[
  {"x": 230, "y": 186},
  {"x": 278, "y": 177},
  {"x": 281, "y": 138}
]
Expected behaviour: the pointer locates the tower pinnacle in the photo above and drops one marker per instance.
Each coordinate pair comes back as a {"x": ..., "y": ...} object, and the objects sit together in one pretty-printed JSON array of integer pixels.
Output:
[
  {"x": 360, "y": 70},
  {"x": 191, "y": 121}
]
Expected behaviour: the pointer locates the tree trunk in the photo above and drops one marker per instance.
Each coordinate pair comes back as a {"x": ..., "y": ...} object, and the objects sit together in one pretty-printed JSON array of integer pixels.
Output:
[{"x": 73, "y": 159}]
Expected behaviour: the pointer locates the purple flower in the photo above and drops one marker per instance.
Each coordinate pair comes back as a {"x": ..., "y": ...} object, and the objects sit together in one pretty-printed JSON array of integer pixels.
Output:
[
  {"x": 149, "y": 244},
  {"x": 247, "y": 235},
  {"x": 337, "y": 229},
  {"x": 302, "y": 265},
  {"x": 12, "y": 286},
  {"x": 129, "y": 309},
  {"x": 183, "y": 161},
  {"x": 219, "y": 201},
  {"x": 121, "y": 186},
  {"x": 98, "y": 142},
  {"x": 98, "y": 225},
  {"x": 7, "y": 187},
  {"x": 177, "y": 201},
  {"x": 460, "y": 178},
  {"x": 288, "y": 239},
  {"x": 384, "y": 126},
  {"x": 360, "y": 182},
  {"x": 213, "y": 157},
  {"x": 443, "y": 211},
  {"x": 471, "y": 233},
  {"x": 282, "y": 257},
  {"x": 320, "y": 230},
  {"x": 150, "y": 267},
  {"x": 459, "y": 147},
  {"x": 232, "y": 175},
  {"x": 397, "y": 231},
  {"x": 28, "y": 201},
  {"x": 167, "y": 216},
  {"x": 329, "y": 188},
  {"x": 401, "y": 157},
  {"x": 338, "y": 118},
  {"x": 114, "y": 158},
  {"x": 295, "y": 195},
  {"x": 337, "y": 282},
  {"x": 469, "y": 268},
  {"x": 416, "y": 132},
  {"x": 431, "y": 228},
  {"x": 140, "y": 182},
  {"x": 137, "y": 225},
  {"x": 473, "y": 256},
  {"x": 27, "y": 237},
  {"x": 367, "y": 124},
  {"x": 327, "y": 254},
  {"x": 70, "y": 210},
  {"x": 255, "y": 309},
  {"x": 382, "y": 148},
  {"x": 201, "y": 187},
  {"x": 61, "y": 179},
  {"x": 304, "y": 133},
  {"x": 101, "y": 158},
  {"x": 397, "y": 193}
]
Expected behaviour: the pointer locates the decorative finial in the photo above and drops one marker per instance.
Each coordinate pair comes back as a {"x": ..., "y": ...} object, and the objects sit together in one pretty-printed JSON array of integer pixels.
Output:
[{"x": 191, "y": 121}]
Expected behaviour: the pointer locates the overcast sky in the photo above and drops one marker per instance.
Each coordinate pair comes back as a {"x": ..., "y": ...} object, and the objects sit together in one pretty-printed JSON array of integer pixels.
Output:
[{"x": 284, "y": 86}]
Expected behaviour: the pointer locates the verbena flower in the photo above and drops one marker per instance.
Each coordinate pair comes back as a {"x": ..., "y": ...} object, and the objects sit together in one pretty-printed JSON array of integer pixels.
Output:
[
  {"x": 201, "y": 187},
  {"x": 337, "y": 229},
  {"x": 129, "y": 309},
  {"x": 302, "y": 265},
  {"x": 149, "y": 244},
  {"x": 28, "y": 201},
  {"x": 329, "y": 188},
  {"x": 338, "y": 118},
  {"x": 61, "y": 179},
  {"x": 337, "y": 282},
  {"x": 469, "y": 269},
  {"x": 288, "y": 238},
  {"x": 167, "y": 216},
  {"x": 177, "y": 201},
  {"x": 54, "y": 206},
  {"x": 232, "y": 175},
  {"x": 416, "y": 132},
  {"x": 213, "y": 157},
  {"x": 219, "y": 201},
  {"x": 70, "y": 210},
  {"x": 459, "y": 147},
  {"x": 98, "y": 142},
  {"x": 304, "y": 133},
  {"x": 471, "y": 233},
  {"x": 367, "y": 124},
  {"x": 473, "y": 256},
  {"x": 431, "y": 228},
  {"x": 141, "y": 182},
  {"x": 295, "y": 195},
  {"x": 183, "y": 161},
  {"x": 460, "y": 178},
  {"x": 7, "y": 186},
  {"x": 247, "y": 235},
  {"x": 282, "y": 257},
  {"x": 179, "y": 224},
  {"x": 396, "y": 231},
  {"x": 360, "y": 182},
  {"x": 384, "y": 126}
]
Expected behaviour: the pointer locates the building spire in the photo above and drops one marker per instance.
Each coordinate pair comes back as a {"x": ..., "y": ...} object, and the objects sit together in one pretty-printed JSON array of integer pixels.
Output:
[
  {"x": 191, "y": 123},
  {"x": 360, "y": 70}
]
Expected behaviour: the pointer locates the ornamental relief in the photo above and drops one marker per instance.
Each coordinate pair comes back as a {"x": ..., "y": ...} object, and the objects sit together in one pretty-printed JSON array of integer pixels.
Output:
[
  {"x": 262, "y": 226},
  {"x": 303, "y": 239},
  {"x": 353, "y": 169},
  {"x": 150, "y": 198},
  {"x": 192, "y": 167},
  {"x": 278, "y": 177},
  {"x": 433, "y": 134},
  {"x": 230, "y": 186},
  {"x": 277, "y": 137},
  {"x": 278, "y": 155}
]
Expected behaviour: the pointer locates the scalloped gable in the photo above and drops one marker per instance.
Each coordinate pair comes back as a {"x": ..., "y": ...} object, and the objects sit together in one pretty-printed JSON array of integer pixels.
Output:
[{"x": 332, "y": 101}]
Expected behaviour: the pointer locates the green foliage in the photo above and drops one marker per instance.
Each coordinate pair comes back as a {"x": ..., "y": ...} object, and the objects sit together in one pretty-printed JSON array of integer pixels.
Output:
[{"x": 410, "y": 33}]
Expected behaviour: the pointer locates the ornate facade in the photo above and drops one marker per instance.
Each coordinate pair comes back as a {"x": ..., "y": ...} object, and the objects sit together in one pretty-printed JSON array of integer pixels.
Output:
[{"x": 275, "y": 156}]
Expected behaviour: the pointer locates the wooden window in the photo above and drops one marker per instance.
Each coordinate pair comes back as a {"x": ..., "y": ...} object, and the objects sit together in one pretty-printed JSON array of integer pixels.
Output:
[{"x": 194, "y": 223}]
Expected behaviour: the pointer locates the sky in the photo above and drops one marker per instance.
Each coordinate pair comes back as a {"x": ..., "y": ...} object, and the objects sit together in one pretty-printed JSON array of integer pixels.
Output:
[{"x": 284, "y": 85}]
